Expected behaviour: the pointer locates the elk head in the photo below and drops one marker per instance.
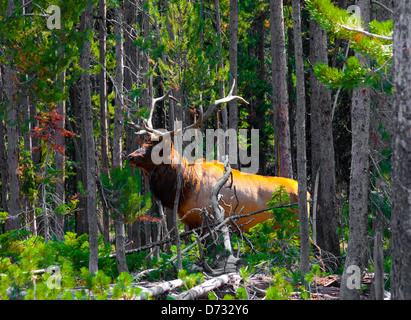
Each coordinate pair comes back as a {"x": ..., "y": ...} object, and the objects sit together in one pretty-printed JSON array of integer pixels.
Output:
[{"x": 142, "y": 157}]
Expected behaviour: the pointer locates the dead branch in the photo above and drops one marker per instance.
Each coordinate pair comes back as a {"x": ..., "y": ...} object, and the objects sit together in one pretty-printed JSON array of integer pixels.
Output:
[
  {"x": 200, "y": 229},
  {"x": 217, "y": 209}
]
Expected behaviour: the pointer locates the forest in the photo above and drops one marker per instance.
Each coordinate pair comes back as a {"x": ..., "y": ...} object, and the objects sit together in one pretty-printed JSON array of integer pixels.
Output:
[{"x": 301, "y": 109}]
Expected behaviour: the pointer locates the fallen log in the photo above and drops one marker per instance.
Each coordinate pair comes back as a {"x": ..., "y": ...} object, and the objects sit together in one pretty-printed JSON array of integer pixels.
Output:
[
  {"x": 208, "y": 286},
  {"x": 158, "y": 289}
]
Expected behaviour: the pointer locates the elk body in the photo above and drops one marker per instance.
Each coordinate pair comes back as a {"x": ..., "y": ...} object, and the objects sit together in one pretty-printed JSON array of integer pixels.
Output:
[{"x": 198, "y": 179}]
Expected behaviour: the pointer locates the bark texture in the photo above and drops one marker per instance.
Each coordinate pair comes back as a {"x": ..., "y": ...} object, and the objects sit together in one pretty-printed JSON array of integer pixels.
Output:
[
  {"x": 322, "y": 148},
  {"x": 280, "y": 92},
  {"x": 401, "y": 181},
  {"x": 359, "y": 177},
  {"x": 88, "y": 141}
]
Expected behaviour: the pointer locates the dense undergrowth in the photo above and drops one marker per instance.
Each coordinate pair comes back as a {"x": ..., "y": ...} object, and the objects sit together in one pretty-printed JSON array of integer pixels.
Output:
[
  {"x": 32, "y": 268},
  {"x": 22, "y": 274}
]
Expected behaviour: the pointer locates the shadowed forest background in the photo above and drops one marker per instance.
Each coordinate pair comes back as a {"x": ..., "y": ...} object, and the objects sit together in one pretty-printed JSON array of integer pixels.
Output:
[{"x": 324, "y": 87}]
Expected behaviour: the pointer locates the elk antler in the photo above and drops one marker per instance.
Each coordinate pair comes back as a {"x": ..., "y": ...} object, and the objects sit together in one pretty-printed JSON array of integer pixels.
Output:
[
  {"x": 228, "y": 98},
  {"x": 202, "y": 117},
  {"x": 153, "y": 104},
  {"x": 148, "y": 124}
]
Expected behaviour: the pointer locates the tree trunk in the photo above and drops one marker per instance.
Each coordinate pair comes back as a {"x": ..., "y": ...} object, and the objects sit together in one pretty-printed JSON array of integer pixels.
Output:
[
  {"x": 88, "y": 140},
  {"x": 131, "y": 71},
  {"x": 224, "y": 113},
  {"x": 119, "y": 100},
  {"x": 280, "y": 95},
  {"x": 322, "y": 148},
  {"x": 382, "y": 13},
  {"x": 359, "y": 181},
  {"x": 118, "y": 134},
  {"x": 401, "y": 158},
  {"x": 60, "y": 163},
  {"x": 301, "y": 142},
  {"x": 4, "y": 168},
  {"x": 105, "y": 162},
  {"x": 3, "y": 158},
  {"x": 12, "y": 222},
  {"x": 260, "y": 99},
  {"x": 233, "y": 50}
]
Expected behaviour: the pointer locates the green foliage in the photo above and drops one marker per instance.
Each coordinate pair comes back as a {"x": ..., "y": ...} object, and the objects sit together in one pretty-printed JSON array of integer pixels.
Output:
[
  {"x": 20, "y": 258},
  {"x": 123, "y": 193},
  {"x": 190, "y": 279},
  {"x": 37, "y": 53},
  {"x": 352, "y": 77},
  {"x": 281, "y": 288},
  {"x": 123, "y": 288},
  {"x": 185, "y": 52},
  {"x": 376, "y": 44},
  {"x": 276, "y": 238},
  {"x": 3, "y": 216}
]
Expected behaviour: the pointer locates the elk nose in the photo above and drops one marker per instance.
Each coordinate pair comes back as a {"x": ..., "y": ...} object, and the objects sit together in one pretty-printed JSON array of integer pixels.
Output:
[{"x": 130, "y": 158}]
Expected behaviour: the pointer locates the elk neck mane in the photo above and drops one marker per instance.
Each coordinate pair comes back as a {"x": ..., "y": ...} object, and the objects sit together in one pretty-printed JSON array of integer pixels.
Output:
[{"x": 163, "y": 180}]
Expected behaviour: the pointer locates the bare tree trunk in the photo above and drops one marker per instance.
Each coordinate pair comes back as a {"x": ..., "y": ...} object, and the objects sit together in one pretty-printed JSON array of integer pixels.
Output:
[
  {"x": 12, "y": 222},
  {"x": 4, "y": 168},
  {"x": 60, "y": 164},
  {"x": 301, "y": 142},
  {"x": 233, "y": 40},
  {"x": 383, "y": 12},
  {"x": 88, "y": 140},
  {"x": 105, "y": 162},
  {"x": 322, "y": 148},
  {"x": 119, "y": 100},
  {"x": 224, "y": 113},
  {"x": 118, "y": 134},
  {"x": 401, "y": 158},
  {"x": 280, "y": 95},
  {"x": 260, "y": 99},
  {"x": 131, "y": 71},
  {"x": 3, "y": 157},
  {"x": 378, "y": 261},
  {"x": 175, "y": 217},
  {"x": 359, "y": 181}
]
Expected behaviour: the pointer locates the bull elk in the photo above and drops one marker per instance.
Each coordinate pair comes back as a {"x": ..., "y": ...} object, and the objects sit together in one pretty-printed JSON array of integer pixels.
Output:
[{"x": 198, "y": 178}]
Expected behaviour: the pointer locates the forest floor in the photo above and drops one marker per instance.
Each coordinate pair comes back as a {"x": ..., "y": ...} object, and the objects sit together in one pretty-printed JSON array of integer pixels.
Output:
[{"x": 323, "y": 288}]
